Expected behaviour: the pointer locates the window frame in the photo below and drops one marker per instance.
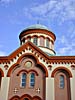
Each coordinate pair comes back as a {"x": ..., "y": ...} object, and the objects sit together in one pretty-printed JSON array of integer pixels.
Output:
[
  {"x": 32, "y": 84},
  {"x": 23, "y": 80},
  {"x": 61, "y": 81},
  {"x": 35, "y": 40}
]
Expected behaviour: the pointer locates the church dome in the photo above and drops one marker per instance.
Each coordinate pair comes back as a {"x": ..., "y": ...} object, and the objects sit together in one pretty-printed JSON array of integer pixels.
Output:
[
  {"x": 37, "y": 26},
  {"x": 40, "y": 36}
]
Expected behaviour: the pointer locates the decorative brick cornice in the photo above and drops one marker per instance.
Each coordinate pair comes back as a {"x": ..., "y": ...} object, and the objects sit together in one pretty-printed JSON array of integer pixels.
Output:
[
  {"x": 31, "y": 31},
  {"x": 38, "y": 53},
  {"x": 27, "y": 46},
  {"x": 62, "y": 59}
]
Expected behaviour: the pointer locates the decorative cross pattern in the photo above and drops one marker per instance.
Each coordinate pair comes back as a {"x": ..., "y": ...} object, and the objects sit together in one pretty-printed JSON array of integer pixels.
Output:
[
  {"x": 38, "y": 90},
  {"x": 15, "y": 90},
  {"x": 38, "y": 22}
]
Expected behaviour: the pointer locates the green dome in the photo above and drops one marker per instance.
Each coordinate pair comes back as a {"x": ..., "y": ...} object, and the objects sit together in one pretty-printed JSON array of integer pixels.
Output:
[{"x": 37, "y": 26}]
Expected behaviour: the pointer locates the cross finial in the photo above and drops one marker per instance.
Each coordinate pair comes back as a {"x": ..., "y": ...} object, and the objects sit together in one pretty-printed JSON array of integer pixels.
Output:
[{"x": 38, "y": 22}]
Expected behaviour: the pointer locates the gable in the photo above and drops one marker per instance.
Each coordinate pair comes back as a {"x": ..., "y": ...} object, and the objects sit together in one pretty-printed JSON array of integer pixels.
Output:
[{"x": 21, "y": 50}]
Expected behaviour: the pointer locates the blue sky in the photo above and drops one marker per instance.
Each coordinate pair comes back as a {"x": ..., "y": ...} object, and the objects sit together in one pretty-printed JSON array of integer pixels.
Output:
[{"x": 57, "y": 15}]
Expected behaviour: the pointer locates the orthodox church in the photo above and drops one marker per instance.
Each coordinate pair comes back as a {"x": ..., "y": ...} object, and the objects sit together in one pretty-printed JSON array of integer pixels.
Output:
[{"x": 34, "y": 72}]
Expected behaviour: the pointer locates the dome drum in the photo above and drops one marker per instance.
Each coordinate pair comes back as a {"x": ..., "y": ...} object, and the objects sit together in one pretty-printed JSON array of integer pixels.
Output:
[{"x": 40, "y": 36}]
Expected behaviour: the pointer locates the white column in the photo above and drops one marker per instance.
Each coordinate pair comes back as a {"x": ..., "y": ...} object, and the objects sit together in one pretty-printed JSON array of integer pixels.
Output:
[
  {"x": 32, "y": 40},
  {"x": 52, "y": 47},
  {"x": 72, "y": 85},
  {"x": 38, "y": 41},
  {"x": 50, "y": 44},
  {"x": 4, "y": 88},
  {"x": 49, "y": 88},
  {"x": 45, "y": 42}
]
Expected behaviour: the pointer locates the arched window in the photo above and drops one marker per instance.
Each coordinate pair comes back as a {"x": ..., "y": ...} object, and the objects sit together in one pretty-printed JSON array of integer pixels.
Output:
[
  {"x": 47, "y": 42},
  {"x": 35, "y": 39},
  {"x": 23, "y": 80},
  {"x": 32, "y": 80},
  {"x": 41, "y": 41},
  {"x": 61, "y": 81}
]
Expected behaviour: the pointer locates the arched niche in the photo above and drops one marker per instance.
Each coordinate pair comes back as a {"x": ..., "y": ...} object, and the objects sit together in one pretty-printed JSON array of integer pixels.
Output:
[{"x": 62, "y": 77}]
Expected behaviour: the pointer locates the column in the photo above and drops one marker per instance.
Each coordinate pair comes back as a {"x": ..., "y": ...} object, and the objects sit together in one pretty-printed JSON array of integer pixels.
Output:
[
  {"x": 45, "y": 42},
  {"x": 38, "y": 41},
  {"x": 4, "y": 88},
  {"x": 72, "y": 87},
  {"x": 49, "y": 88}
]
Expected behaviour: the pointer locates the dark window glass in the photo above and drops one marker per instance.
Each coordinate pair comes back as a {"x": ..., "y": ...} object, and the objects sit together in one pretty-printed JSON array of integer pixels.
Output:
[
  {"x": 61, "y": 81},
  {"x": 32, "y": 80},
  {"x": 35, "y": 40},
  {"x": 23, "y": 83}
]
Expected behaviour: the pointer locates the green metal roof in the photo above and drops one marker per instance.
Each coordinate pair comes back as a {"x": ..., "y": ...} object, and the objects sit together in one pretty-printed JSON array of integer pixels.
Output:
[{"x": 37, "y": 26}]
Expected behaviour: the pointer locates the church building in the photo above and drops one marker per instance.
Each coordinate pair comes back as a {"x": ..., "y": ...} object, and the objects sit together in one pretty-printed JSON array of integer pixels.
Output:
[{"x": 34, "y": 71}]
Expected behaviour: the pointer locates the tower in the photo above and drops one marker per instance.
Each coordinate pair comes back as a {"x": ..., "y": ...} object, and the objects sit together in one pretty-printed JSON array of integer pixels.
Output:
[{"x": 41, "y": 36}]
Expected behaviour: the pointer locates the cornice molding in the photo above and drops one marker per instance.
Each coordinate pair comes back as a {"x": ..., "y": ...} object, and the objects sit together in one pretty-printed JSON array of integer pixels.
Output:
[
  {"x": 39, "y": 53},
  {"x": 31, "y": 31}
]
